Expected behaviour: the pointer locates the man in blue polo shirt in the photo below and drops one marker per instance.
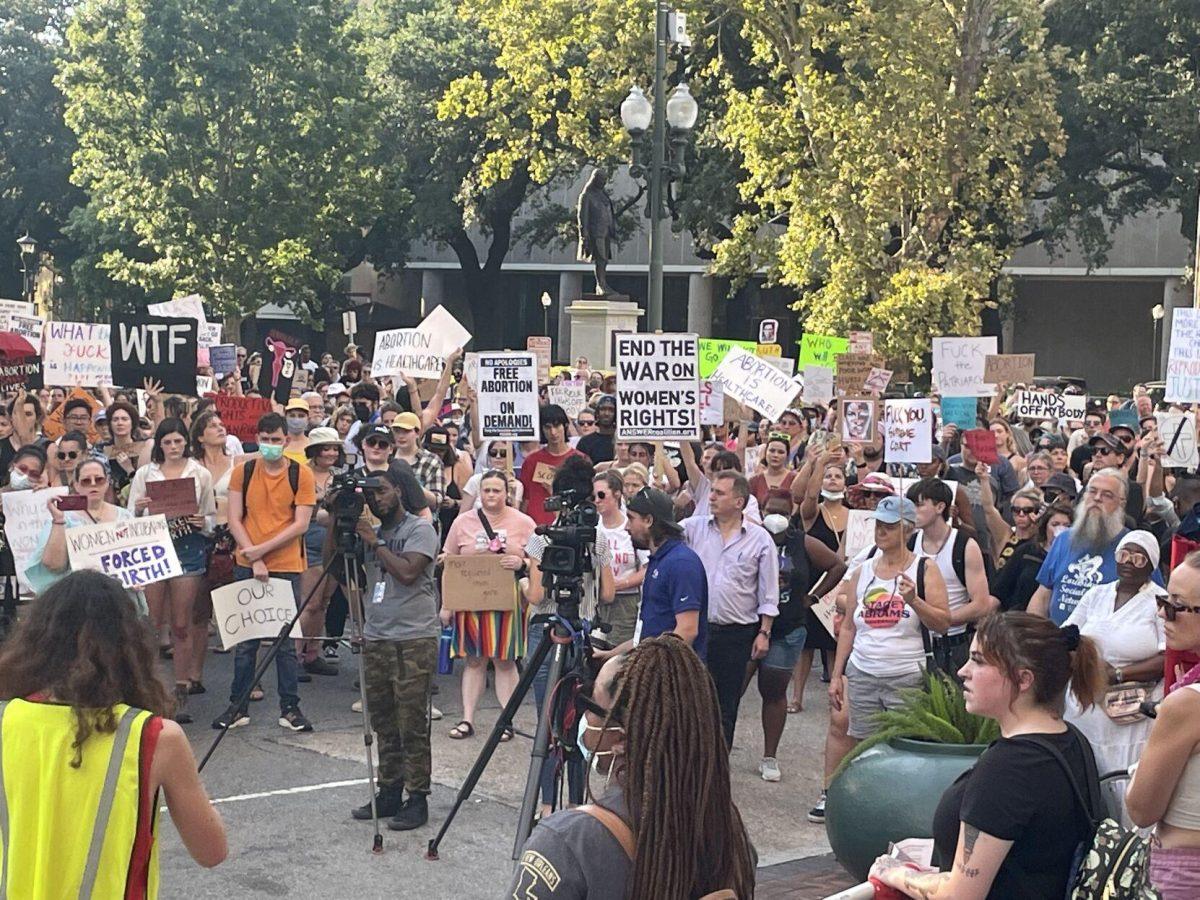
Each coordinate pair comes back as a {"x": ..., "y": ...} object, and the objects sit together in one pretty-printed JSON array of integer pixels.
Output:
[{"x": 675, "y": 590}]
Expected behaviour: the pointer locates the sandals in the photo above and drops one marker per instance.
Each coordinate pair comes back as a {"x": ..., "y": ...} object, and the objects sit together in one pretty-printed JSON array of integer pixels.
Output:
[
  {"x": 795, "y": 706},
  {"x": 506, "y": 735},
  {"x": 462, "y": 731},
  {"x": 257, "y": 694}
]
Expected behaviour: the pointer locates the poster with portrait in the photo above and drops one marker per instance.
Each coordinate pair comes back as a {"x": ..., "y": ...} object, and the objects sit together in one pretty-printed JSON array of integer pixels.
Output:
[{"x": 858, "y": 419}]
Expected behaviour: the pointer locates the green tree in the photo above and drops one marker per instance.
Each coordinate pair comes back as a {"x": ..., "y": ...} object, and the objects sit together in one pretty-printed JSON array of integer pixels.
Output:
[{"x": 231, "y": 139}]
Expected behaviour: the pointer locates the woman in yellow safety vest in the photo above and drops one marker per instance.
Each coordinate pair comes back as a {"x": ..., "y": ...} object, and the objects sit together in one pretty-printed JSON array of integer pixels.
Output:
[{"x": 86, "y": 741}]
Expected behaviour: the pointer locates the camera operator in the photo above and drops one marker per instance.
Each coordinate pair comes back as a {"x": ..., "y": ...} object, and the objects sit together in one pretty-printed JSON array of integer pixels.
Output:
[
  {"x": 574, "y": 480},
  {"x": 400, "y": 649}
]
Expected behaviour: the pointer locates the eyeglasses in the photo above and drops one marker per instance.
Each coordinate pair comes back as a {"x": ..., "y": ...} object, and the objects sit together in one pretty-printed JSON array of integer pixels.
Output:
[
  {"x": 1171, "y": 610},
  {"x": 1133, "y": 558},
  {"x": 68, "y": 454},
  {"x": 93, "y": 482},
  {"x": 1025, "y": 510},
  {"x": 585, "y": 423},
  {"x": 1101, "y": 495}
]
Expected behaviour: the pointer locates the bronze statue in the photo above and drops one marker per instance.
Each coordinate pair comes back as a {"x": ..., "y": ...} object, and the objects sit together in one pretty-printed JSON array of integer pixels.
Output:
[{"x": 597, "y": 227}]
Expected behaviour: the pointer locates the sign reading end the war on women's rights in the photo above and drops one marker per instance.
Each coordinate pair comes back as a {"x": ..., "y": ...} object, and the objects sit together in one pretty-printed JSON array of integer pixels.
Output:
[
  {"x": 136, "y": 552},
  {"x": 658, "y": 387},
  {"x": 252, "y": 610},
  {"x": 507, "y": 396}
]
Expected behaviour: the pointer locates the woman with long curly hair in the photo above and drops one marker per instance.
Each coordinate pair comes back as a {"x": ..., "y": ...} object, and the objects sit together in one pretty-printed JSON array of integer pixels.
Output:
[
  {"x": 86, "y": 743},
  {"x": 665, "y": 825}
]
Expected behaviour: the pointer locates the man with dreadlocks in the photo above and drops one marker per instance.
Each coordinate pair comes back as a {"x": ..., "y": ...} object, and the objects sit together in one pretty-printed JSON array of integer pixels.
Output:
[{"x": 651, "y": 729}]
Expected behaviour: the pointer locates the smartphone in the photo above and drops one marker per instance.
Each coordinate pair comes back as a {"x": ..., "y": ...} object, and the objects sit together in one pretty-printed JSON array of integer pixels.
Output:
[{"x": 72, "y": 501}]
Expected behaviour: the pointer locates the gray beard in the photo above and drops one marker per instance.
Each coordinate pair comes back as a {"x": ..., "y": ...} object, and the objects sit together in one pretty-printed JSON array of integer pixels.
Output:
[{"x": 1094, "y": 531}]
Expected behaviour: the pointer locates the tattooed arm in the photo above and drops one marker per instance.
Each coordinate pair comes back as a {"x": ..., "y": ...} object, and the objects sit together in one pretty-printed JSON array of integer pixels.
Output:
[{"x": 976, "y": 863}]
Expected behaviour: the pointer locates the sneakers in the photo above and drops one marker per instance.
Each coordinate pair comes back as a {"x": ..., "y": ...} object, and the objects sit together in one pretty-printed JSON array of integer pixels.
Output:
[
  {"x": 293, "y": 720},
  {"x": 233, "y": 717},
  {"x": 182, "y": 716},
  {"x": 387, "y": 802},
  {"x": 817, "y": 813},
  {"x": 435, "y": 714},
  {"x": 356, "y": 706},
  {"x": 413, "y": 813},
  {"x": 769, "y": 770},
  {"x": 331, "y": 652},
  {"x": 319, "y": 666}
]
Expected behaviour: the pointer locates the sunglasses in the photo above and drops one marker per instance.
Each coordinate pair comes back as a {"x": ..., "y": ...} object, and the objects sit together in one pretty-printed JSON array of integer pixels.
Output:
[
  {"x": 1171, "y": 610},
  {"x": 377, "y": 444},
  {"x": 601, "y": 495},
  {"x": 70, "y": 454},
  {"x": 498, "y": 454},
  {"x": 93, "y": 482},
  {"x": 1025, "y": 510},
  {"x": 584, "y": 423}
]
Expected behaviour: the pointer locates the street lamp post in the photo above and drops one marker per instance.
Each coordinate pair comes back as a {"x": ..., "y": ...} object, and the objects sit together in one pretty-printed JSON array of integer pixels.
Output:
[
  {"x": 28, "y": 247},
  {"x": 659, "y": 163},
  {"x": 546, "y": 301}
]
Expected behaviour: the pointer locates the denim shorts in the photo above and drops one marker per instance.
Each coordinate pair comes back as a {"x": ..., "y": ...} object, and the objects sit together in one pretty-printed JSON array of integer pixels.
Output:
[
  {"x": 784, "y": 652},
  {"x": 192, "y": 550}
]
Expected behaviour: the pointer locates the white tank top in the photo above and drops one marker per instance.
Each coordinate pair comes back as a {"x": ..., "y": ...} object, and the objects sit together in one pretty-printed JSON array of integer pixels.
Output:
[
  {"x": 887, "y": 631},
  {"x": 956, "y": 591},
  {"x": 1184, "y": 809}
]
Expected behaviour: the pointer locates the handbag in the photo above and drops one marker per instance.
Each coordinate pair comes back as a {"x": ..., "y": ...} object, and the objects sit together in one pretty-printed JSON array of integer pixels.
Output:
[{"x": 1123, "y": 702}]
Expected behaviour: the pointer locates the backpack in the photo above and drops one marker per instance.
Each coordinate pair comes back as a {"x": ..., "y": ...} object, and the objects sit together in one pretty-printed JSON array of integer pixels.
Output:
[{"x": 1112, "y": 862}]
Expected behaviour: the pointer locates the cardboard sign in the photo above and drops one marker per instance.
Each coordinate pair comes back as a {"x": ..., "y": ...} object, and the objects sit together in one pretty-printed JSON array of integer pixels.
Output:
[
  {"x": 768, "y": 331},
  {"x": 76, "y": 353},
  {"x": 173, "y": 497},
  {"x": 658, "y": 387},
  {"x": 853, "y": 369},
  {"x": 768, "y": 350},
  {"x": 1178, "y": 434},
  {"x": 223, "y": 359},
  {"x": 713, "y": 351},
  {"x": 136, "y": 552},
  {"x": 570, "y": 395},
  {"x": 1009, "y": 368},
  {"x": 540, "y": 347},
  {"x": 982, "y": 444},
  {"x": 862, "y": 342},
  {"x": 821, "y": 350},
  {"x": 960, "y": 411},
  {"x": 756, "y": 383},
  {"x": 818, "y": 385},
  {"x": 478, "y": 582},
  {"x": 25, "y": 518},
  {"x": 28, "y": 327},
  {"x": 254, "y": 610},
  {"x": 907, "y": 431},
  {"x": 154, "y": 347},
  {"x": 860, "y": 532},
  {"x": 959, "y": 363},
  {"x": 1041, "y": 405},
  {"x": 712, "y": 402},
  {"x": 878, "y": 380},
  {"x": 858, "y": 419},
  {"x": 825, "y": 609},
  {"x": 1183, "y": 358},
  {"x": 240, "y": 415},
  {"x": 543, "y": 474},
  {"x": 507, "y": 396}
]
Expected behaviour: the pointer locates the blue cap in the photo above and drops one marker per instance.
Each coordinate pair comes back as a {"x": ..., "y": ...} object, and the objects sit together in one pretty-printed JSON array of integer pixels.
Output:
[{"x": 892, "y": 509}]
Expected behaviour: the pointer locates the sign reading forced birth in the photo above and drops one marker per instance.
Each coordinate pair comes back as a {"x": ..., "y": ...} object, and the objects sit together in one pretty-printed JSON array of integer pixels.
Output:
[
  {"x": 136, "y": 552},
  {"x": 507, "y": 396},
  {"x": 658, "y": 387}
]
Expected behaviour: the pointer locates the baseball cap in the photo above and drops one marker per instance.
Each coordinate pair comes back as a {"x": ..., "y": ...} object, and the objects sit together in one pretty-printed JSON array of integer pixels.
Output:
[
  {"x": 407, "y": 420},
  {"x": 378, "y": 431},
  {"x": 100, "y": 416},
  {"x": 1108, "y": 439},
  {"x": 336, "y": 389},
  {"x": 1060, "y": 484},
  {"x": 1051, "y": 442},
  {"x": 895, "y": 508},
  {"x": 297, "y": 404},
  {"x": 653, "y": 502}
]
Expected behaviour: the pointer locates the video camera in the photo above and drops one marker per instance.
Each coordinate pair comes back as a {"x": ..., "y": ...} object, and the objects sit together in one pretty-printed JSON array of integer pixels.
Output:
[
  {"x": 347, "y": 502},
  {"x": 568, "y": 556}
]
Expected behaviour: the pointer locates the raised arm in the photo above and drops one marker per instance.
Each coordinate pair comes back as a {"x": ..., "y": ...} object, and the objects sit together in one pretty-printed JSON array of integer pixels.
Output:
[{"x": 429, "y": 414}]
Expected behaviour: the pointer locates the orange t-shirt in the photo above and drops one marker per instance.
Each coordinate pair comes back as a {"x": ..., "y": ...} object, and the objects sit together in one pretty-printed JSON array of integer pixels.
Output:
[{"x": 269, "y": 508}]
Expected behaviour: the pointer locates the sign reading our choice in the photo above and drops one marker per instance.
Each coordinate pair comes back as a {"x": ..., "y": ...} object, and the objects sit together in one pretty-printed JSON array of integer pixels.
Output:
[
  {"x": 658, "y": 387},
  {"x": 136, "y": 552},
  {"x": 507, "y": 396},
  {"x": 77, "y": 353},
  {"x": 756, "y": 383},
  {"x": 254, "y": 610}
]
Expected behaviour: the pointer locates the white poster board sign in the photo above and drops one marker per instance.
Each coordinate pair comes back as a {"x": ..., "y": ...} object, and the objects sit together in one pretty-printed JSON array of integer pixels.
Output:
[
  {"x": 25, "y": 517},
  {"x": 254, "y": 610},
  {"x": 1040, "y": 405},
  {"x": 958, "y": 365},
  {"x": 189, "y": 307},
  {"x": 712, "y": 402},
  {"x": 755, "y": 383},
  {"x": 818, "y": 385},
  {"x": 1183, "y": 359},
  {"x": 136, "y": 552},
  {"x": 570, "y": 395},
  {"x": 208, "y": 335},
  {"x": 860, "y": 532},
  {"x": 447, "y": 332},
  {"x": 507, "y": 396},
  {"x": 907, "y": 431},
  {"x": 406, "y": 351},
  {"x": 1178, "y": 434},
  {"x": 28, "y": 327},
  {"x": 658, "y": 387},
  {"x": 76, "y": 353}
]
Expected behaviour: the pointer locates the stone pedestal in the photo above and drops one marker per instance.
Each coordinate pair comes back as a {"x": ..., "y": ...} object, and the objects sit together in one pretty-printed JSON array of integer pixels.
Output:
[{"x": 594, "y": 318}]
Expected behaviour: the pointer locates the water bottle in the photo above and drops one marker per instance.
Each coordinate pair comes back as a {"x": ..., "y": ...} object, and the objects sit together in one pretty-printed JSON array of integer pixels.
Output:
[{"x": 445, "y": 660}]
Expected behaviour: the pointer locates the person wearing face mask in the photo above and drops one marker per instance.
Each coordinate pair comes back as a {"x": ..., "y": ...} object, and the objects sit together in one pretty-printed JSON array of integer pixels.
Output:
[
  {"x": 364, "y": 401},
  {"x": 1122, "y": 618},
  {"x": 25, "y": 473},
  {"x": 296, "y": 417},
  {"x": 1016, "y": 580}
]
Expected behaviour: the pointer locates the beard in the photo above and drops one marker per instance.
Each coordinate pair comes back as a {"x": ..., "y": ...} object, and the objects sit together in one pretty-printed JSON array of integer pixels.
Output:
[{"x": 1093, "y": 530}]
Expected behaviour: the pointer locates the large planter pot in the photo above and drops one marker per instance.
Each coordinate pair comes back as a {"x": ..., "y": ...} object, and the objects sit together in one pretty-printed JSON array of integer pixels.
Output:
[{"x": 889, "y": 793}]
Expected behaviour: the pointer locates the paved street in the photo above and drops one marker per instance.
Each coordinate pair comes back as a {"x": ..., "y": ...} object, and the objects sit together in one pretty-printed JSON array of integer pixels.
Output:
[{"x": 286, "y": 798}]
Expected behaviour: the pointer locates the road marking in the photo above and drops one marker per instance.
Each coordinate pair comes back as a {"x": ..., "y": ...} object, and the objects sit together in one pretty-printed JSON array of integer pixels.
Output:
[{"x": 300, "y": 789}]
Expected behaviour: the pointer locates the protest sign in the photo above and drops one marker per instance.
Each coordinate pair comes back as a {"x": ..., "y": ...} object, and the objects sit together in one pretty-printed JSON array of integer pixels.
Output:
[
  {"x": 857, "y": 419},
  {"x": 17, "y": 308},
  {"x": 1183, "y": 358},
  {"x": 768, "y": 350},
  {"x": 189, "y": 307},
  {"x": 853, "y": 370},
  {"x": 26, "y": 516},
  {"x": 960, "y": 411},
  {"x": 825, "y": 610},
  {"x": 878, "y": 380},
  {"x": 768, "y": 331},
  {"x": 20, "y": 363},
  {"x": 1075, "y": 407},
  {"x": 407, "y": 351},
  {"x": 862, "y": 342},
  {"x": 907, "y": 431},
  {"x": 982, "y": 444},
  {"x": 959, "y": 363},
  {"x": 222, "y": 358},
  {"x": 478, "y": 582},
  {"x": 1009, "y": 368},
  {"x": 539, "y": 346},
  {"x": 173, "y": 497},
  {"x": 570, "y": 395},
  {"x": 756, "y": 383},
  {"x": 76, "y": 353},
  {"x": 28, "y": 327},
  {"x": 507, "y": 396},
  {"x": 254, "y": 610},
  {"x": 136, "y": 552},
  {"x": 163, "y": 349},
  {"x": 821, "y": 350},
  {"x": 204, "y": 385},
  {"x": 658, "y": 387},
  {"x": 712, "y": 402},
  {"x": 784, "y": 364},
  {"x": 240, "y": 415},
  {"x": 279, "y": 366},
  {"x": 1178, "y": 434},
  {"x": 447, "y": 332},
  {"x": 713, "y": 350},
  {"x": 818, "y": 385},
  {"x": 1039, "y": 405},
  {"x": 860, "y": 532},
  {"x": 209, "y": 335}
]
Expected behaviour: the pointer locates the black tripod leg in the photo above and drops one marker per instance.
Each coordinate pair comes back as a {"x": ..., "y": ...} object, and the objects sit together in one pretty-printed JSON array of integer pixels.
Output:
[
  {"x": 541, "y": 747},
  {"x": 354, "y": 603},
  {"x": 493, "y": 741}
]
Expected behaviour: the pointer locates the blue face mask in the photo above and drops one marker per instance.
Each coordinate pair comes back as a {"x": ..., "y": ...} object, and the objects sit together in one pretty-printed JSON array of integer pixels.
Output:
[{"x": 271, "y": 452}]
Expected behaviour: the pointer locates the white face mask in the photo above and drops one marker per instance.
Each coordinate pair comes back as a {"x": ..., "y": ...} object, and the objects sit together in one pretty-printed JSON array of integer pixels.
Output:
[
  {"x": 775, "y": 523},
  {"x": 832, "y": 496},
  {"x": 19, "y": 481}
]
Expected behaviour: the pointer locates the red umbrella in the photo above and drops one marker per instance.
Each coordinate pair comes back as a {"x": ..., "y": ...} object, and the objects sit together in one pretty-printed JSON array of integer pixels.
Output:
[{"x": 13, "y": 346}]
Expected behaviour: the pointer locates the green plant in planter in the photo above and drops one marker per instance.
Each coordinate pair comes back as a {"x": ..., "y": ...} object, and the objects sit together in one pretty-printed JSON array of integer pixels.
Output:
[{"x": 935, "y": 712}]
